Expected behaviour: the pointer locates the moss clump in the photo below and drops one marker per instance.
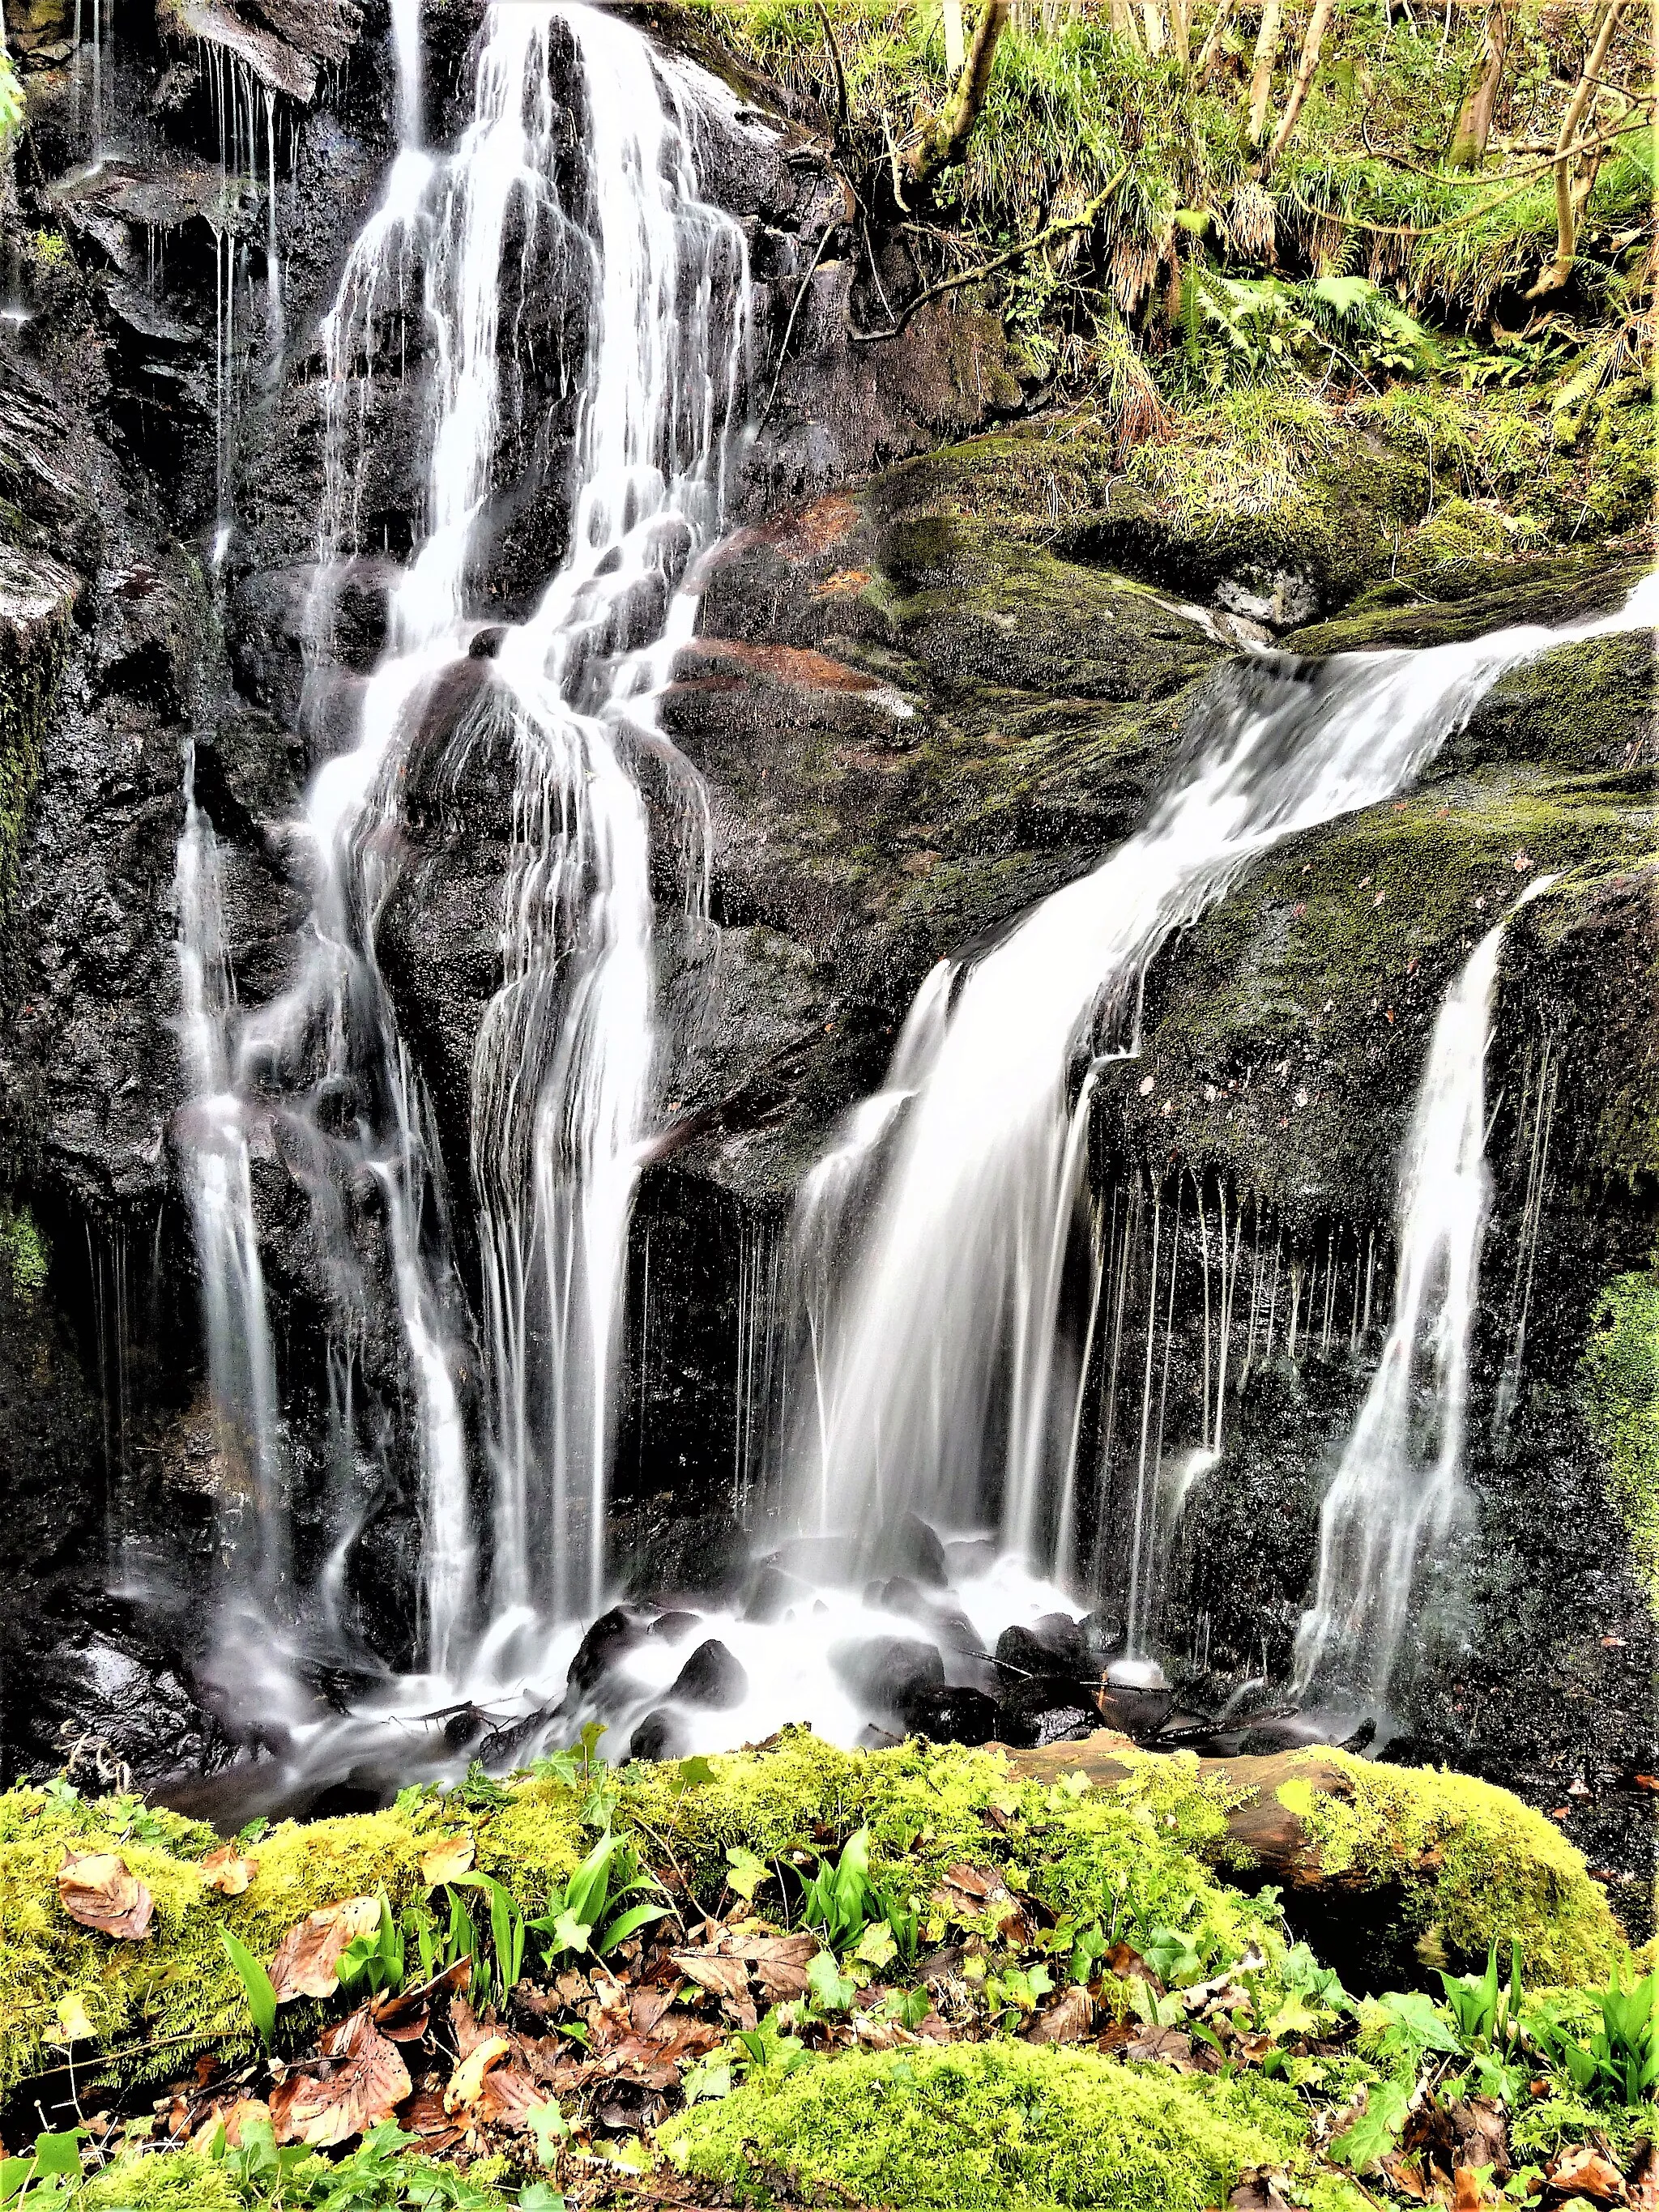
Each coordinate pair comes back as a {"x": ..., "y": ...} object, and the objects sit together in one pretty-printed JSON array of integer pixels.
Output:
[
  {"x": 994, "y": 2124},
  {"x": 163, "y": 2181},
  {"x": 1482, "y": 1866},
  {"x": 22, "y": 1251},
  {"x": 1620, "y": 1382},
  {"x": 153, "y": 2000}
]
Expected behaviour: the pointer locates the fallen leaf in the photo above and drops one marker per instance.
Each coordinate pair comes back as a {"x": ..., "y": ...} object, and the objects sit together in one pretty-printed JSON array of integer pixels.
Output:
[
  {"x": 508, "y": 2097},
  {"x": 1124, "y": 1960},
  {"x": 780, "y": 1963},
  {"x": 650, "y": 2004},
  {"x": 1403, "y": 2174},
  {"x": 367, "y": 2081},
  {"x": 1582, "y": 2170},
  {"x": 1069, "y": 2019},
  {"x": 1258, "y": 2191},
  {"x": 466, "y": 2082},
  {"x": 1642, "y": 2182},
  {"x": 308, "y": 1955},
  {"x": 94, "y": 1888},
  {"x": 424, "y": 2115},
  {"x": 1166, "y": 2046},
  {"x": 726, "y": 1978},
  {"x": 74, "y": 2022},
  {"x": 970, "y": 1893},
  {"x": 1468, "y": 2195},
  {"x": 227, "y": 1871},
  {"x": 449, "y": 1856}
]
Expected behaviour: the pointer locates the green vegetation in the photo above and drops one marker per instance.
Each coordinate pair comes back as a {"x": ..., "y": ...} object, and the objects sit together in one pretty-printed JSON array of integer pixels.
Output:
[
  {"x": 11, "y": 98},
  {"x": 1619, "y": 1379},
  {"x": 993, "y": 2125},
  {"x": 22, "y": 1250}
]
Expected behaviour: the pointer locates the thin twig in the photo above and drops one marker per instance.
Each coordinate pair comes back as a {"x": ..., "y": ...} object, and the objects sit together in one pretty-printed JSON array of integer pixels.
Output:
[
  {"x": 1047, "y": 237},
  {"x": 831, "y": 41},
  {"x": 789, "y": 327}
]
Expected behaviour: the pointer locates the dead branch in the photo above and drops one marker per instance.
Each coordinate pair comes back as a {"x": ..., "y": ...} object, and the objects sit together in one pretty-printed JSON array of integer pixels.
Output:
[
  {"x": 1569, "y": 203},
  {"x": 1054, "y": 232}
]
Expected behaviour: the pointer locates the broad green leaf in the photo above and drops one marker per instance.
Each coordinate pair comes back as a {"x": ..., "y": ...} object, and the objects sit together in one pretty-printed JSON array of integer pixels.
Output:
[
  {"x": 833, "y": 1992},
  {"x": 876, "y": 1945},
  {"x": 747, "y": 1871},
  {"x": 637, "y": 1916},
  {"x": 256, "y": 1984}
]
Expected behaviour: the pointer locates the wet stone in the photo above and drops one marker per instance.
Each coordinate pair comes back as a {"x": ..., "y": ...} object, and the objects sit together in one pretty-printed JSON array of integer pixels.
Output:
[{"x": 713, "y": 1677}]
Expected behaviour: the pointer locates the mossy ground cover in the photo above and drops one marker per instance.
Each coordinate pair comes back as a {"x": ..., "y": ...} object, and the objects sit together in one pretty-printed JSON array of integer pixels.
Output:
[
  {"x": 1619, "y": 1382},
  {"x": 933, "y": 2042}
]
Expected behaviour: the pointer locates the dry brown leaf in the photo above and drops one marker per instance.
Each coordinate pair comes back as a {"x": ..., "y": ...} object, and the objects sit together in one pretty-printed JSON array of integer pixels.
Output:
[
  {"x": 1408, "y": 2181},
  {"x": 508, "y": 2095},
  {"x": 227, "y": 1871},
  {"x": 364, "y": 2084},
  {"x": 650, "y": 2004},
  {"x": 1583, "y": 2170},
  {"x": 1468, "y": 2195},
  {"x": 726, "y": 1978},
  {"x": 780, "y": 1963},
  {"x": 1168, "y": 2046},
  {"x": 449, "y": 1856},
  {"x": 1068, "y": 2020},
  {"x": 94, "y": 1888},
  {"x": 683, "y": 2036},
  {"x": 424, "y": 2115},
  {"x": 1642, "y": 2182},
  {"x": 464, "y": 2026},
  {"x": 308, "y": 1955},
  {"x": 466, "y": 2082},
  {"x": 1258, "y": 2191}
]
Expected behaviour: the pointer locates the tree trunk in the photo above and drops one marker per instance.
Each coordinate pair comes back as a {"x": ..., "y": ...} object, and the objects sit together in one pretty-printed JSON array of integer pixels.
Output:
[
  {"x": 956, "y": 45},
  {"x": 1569, "y": 204},
  {"x": 1218, "y": 24},
  {"x": 1469, "y": 145},
  {"x": 1152, "y": 16},
  {"x": 944, "y": 145},
  {"x": 1123, "y": 24},
  {"x": 1262, "y": 75},
  {"x": 1307, "y": 69}
]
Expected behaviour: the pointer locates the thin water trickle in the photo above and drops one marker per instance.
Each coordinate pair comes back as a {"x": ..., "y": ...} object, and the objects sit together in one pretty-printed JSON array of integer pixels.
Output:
[{"x": 1398, "y": 1490}]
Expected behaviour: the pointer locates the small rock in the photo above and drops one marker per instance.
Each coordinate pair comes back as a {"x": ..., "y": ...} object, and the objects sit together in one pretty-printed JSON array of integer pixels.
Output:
[{"x": 711, "y": 1677}]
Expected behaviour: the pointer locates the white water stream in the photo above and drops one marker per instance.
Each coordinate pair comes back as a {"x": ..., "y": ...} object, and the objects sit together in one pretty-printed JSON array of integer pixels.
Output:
[
  {"x": 940, "y": 1386},
  {"x": 563, "y": 1063},
  {"x": 1399, "y": 1490}
]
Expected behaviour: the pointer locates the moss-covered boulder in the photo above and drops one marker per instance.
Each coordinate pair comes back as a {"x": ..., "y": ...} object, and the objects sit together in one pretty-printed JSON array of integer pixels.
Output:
[
  {"x": 1176, "y": 1843},
  {"x": 998, "y": 2126}
]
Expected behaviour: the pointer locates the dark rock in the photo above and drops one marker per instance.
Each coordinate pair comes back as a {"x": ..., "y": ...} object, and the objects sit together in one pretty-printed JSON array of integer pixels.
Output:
[
  {"x": 879, "y": 1673},
  {"x": 773, "y": 1593},
  {"x": 695, "y": 1557},
  {"x": 671, "y": 1626},
  {"x": 1054, "y": 1645},
  {"x": 1046, "y": 1711},
  {"x": 610, "y": 1636},
  {"x": 947, "y": 1715},
  {"x": 658, "y": 1735},
  {"x": 909, "y": 1547},
  {"x": 712, "y": 1677}
]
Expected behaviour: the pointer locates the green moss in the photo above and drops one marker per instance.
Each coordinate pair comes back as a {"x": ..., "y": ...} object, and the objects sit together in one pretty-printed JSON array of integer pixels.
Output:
[
  {"x": 163, "y": 2181},
  {"x": 1618, "y": 1377},
  {"x": 993, "y": 2125},
  {"x": 1495, "y": 1869},
  {"x": 155, "y": 2000},
  {"x": 23, "y": 1251}
]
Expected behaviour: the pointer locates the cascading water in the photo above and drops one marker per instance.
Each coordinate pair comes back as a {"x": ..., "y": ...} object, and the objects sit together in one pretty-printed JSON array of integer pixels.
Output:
[
  {"x": 942, "y": 1386},
  {"x": 563, "y": 1061},
  {"x": 1398, "y": 1489}
]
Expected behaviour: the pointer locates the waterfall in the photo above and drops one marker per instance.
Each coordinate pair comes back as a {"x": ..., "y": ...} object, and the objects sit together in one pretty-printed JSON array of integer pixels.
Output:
[
  {"x": 658, "y": 281},
  {"x": 1398, "y": 1490},
  {"x": 943, "y": 1384}
]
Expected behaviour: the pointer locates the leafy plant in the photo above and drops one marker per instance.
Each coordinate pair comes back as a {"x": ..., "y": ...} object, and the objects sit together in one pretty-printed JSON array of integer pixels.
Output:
[
  {"x": 575, "y": 1919},
  {"x": 1487, "y": 2014},
  {"x": 373, "y": 1964},
  {"x": 256, "y": 1984},
  {"x": 44, "y": 2178},
  {"x": 841, "y": 1903},
  {"x": 1373, "y": 2133}
]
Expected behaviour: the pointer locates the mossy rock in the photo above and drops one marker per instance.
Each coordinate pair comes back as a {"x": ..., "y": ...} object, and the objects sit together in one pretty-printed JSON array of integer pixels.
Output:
[
  {"x": 1459, "y": 600},
  {"x": 1619, "y": 1379},
  {"x": 994, "y": 2125},
  {"x": 1470, "y": 1862}
]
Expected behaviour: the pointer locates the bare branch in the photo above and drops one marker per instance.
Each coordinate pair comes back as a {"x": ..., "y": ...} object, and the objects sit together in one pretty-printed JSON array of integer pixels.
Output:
[
  {"x": 1569, "y": 203},
  {"x": 1050, "y": 236}
]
